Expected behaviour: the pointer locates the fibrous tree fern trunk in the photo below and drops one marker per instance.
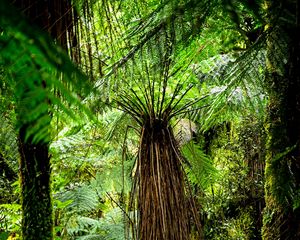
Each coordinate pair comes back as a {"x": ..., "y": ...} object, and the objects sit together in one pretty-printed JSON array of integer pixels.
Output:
[
  {"x": 161, "y": 197},
  {"x": 282, "y": 173}
]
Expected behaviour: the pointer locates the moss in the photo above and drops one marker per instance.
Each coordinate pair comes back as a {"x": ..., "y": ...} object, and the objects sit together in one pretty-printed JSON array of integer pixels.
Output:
[
  {"x": 37, "y": 221},
  {"x": 273, "y": 218},
  {"x": 281, "y": 173},
  {"x": 278, "y": 177}
]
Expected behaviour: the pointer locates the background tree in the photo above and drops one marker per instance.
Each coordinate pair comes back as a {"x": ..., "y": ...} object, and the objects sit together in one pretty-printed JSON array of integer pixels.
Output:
[{"x": 281, "y": 216}]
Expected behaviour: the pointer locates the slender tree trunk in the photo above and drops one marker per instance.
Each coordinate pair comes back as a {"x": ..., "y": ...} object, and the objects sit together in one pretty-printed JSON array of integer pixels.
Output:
[
  {"x": 37, "y": 221},
  {"x": 55, "y": 17},
  {"x": 282, "y": 172}
]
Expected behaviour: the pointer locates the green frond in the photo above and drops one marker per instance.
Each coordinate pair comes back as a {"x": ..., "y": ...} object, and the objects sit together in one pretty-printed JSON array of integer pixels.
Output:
[
  {"x": 34, "y": 67},
  {"x": 117, "y": 122},
  {"x": 9, "y": 157},
  {"x": 8, "y": 143},
  {"x": 10, "y": 215},
  {"x": 91, "y": 237},
  {"x": 110, "y": 227},
  {"x": 235, "y": 85},
  {"x": 84, "y": 199},
  {"x": 201, "y": 170}
]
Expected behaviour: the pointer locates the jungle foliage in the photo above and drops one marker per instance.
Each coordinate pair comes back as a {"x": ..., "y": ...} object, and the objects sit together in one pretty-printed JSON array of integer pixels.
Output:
[{"x": 149, "y": 119}]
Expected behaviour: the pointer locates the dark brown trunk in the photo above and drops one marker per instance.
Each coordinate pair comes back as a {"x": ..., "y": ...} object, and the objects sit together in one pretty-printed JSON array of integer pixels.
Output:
[
  {"x": 162, "y": 201},
  {"x": 55, "y": 17},
  {"x": 35, "y": 172},
  {"x": 282, "y": 174}
]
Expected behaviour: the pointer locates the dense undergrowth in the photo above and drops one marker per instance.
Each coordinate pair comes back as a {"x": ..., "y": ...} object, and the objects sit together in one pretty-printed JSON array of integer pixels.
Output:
[{"x": 159, "y": 110}]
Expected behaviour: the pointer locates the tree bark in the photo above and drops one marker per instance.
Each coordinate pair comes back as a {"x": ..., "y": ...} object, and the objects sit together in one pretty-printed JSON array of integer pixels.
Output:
[
  {"x": 56, "y": 18},
  {"x": 282, "y": 172},
  {"x": 35, "y": 172}
]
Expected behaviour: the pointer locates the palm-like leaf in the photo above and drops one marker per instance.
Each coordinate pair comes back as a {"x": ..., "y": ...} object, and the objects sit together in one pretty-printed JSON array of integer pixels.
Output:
[{"x": 34, "y": 65}]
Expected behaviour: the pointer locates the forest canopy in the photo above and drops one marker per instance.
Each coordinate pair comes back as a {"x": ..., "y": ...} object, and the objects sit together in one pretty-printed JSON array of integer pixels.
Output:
[{"x": 149, "y": 120}]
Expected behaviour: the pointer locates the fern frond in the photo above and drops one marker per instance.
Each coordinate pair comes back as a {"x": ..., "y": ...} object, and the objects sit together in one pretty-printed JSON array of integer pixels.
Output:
[
  {"x": 91, "y": 237},
  {"x": 84, "y": 199},
  {"x": 34, "y": 65},
  {"x": 8, "y": 143},
  {"x": 201, "y": 170},
  {"x": 10, "y": 215},
  {"x": 236, "y": 85},
  {"x": 110, "y": 227}
]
